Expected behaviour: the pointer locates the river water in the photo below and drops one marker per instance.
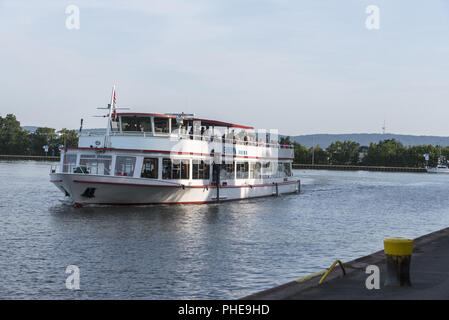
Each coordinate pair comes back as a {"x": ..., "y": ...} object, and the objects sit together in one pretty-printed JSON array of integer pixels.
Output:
[{"x": 223, "y": 251}]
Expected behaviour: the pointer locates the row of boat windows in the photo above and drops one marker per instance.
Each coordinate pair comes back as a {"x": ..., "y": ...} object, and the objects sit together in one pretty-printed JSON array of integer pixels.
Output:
[
  {"x": 144, "y": 124},
  {"x": 174, "y": 168},
  {"x": 163, "y": 125},
  {"x": 255, "y": 170}
]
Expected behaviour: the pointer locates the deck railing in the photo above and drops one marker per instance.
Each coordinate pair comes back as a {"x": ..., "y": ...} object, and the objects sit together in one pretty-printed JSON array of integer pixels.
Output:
[
  {"x": 85, "y": 169},
  {"x": 204, "y": 137},
  {"x": 272, "y": 172}
]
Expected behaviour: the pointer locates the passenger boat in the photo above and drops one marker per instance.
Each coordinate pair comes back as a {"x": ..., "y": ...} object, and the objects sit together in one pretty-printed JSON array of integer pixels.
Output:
[
  {"x": 442, "y": 167},
  {"x": 150, "y": 158}
]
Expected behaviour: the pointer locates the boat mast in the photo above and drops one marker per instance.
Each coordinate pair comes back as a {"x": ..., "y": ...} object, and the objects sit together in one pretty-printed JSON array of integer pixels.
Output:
[{"x": 111, "y": 108}]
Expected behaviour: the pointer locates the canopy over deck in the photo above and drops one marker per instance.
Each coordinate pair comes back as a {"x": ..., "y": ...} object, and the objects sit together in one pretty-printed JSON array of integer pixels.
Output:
[{"x": 205, "y": 122}]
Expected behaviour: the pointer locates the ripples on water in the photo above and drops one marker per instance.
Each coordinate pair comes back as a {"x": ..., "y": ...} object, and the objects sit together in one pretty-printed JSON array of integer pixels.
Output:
[{"x": 213, "y": 251}]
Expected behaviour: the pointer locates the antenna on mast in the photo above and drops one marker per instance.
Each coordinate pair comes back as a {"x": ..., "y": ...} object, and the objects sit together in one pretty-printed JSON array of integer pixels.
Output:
[
  {"x": 383, "y": 128},
  {"x": 111, "y": 107},
  {"x": 112, "y": 112}
]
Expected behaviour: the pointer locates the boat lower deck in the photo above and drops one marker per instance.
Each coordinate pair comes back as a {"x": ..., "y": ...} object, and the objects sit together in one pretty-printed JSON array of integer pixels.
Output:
[{"x": 111, "y": 190}]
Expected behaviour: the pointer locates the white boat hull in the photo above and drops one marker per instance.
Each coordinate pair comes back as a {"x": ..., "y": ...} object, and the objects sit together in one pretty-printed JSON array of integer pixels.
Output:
[
  {"x": 112, "y": 190},
  {"x": 438, "y": 170}
]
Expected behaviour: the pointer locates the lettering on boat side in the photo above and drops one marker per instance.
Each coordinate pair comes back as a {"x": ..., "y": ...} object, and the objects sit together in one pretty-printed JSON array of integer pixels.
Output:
[
  {"x": 232, "y": 151},
  {"x": 242, "y": 152},
  {"x": 225, "y": 309},
  {"x": 73, "y": 280}
]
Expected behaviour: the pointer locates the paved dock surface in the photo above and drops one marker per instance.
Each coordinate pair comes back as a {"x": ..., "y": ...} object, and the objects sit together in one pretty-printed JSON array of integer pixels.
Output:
[{"x": 429, "y": 273}]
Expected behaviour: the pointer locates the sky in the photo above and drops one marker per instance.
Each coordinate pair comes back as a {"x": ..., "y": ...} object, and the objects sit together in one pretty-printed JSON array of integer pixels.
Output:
[{"x": 301, "y": 67}]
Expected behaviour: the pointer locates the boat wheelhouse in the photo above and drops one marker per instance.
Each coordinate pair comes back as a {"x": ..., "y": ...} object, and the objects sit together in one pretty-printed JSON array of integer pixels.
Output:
[{"x": 148, "y": 158}]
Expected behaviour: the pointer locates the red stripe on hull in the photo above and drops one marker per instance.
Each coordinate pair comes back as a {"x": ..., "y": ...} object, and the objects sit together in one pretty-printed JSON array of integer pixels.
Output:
[
  {"x": 166, "y": 186},
  {"x": 126, "y": 184}
]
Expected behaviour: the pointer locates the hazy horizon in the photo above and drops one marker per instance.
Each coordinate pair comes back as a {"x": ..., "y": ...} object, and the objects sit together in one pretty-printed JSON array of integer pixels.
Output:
[
  {"x": 292, "y": 135},
  {"x": 302, "y": 67}
]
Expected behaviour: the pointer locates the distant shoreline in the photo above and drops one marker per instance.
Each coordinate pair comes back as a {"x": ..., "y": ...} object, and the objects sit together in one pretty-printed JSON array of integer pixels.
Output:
[
  {"x": 364, "y": 139},
  {"x": 357, "y": 168},
  {"x": 23, "y": 157},
  {"x": 295, "y": 165}
]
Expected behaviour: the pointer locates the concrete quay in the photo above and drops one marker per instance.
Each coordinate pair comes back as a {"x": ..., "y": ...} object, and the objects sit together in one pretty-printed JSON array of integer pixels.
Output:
[{"x": 429, "y": 273}]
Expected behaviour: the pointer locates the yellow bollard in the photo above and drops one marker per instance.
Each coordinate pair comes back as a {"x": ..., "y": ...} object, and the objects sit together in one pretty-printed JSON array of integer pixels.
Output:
[{"x": 399, "y": 255}]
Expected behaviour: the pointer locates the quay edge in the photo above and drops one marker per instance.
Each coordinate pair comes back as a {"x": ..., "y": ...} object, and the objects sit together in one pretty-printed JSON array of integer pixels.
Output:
[{"x": 429, "y": 277}]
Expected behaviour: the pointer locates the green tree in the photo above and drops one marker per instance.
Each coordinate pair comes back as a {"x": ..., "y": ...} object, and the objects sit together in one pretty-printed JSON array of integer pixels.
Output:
[
  {"x": 41, "y": 137},
  {"x": 13, "y": 140},
  {"x": 346, "y": 152},
  {"x": 68, "y": 137},
  {"x": 319, "y": 155},
  {"x": 301, "y": 153},
  {"x": 415, "y": 156},
  {"x": 388, "y": 153},
  {"x": 445, "y": 152}
]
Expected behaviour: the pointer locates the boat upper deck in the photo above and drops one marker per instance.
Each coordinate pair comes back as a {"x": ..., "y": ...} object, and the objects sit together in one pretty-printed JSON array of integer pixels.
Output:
[{"x": 153, "y": 132}]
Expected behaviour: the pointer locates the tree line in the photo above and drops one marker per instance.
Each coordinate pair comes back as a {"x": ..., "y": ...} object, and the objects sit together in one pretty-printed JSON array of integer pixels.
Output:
[
  {"x": 16, "y": 141},
  {"x": 389, "y": 153},
  {"x": 386, "y": 153}
]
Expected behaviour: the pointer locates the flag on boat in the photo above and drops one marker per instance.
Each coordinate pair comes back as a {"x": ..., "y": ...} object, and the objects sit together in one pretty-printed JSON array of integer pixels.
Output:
[{"x": 113, "y": 106}]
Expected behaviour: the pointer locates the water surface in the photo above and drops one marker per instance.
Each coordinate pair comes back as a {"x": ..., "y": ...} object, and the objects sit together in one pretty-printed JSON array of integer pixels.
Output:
[{"x": 211, "y": 251}]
